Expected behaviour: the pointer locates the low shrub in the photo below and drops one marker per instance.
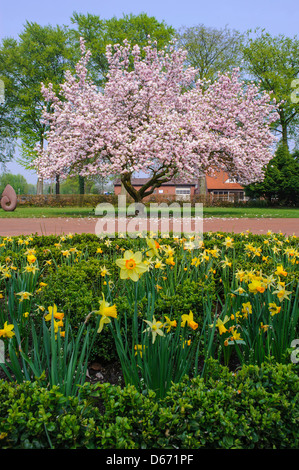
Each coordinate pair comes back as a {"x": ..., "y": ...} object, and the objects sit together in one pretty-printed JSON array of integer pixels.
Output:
[{"x": 254, "y": 408}]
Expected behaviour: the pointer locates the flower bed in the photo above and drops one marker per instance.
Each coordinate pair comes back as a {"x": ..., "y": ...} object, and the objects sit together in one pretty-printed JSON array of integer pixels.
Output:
[{"x": 203, "y": 333}]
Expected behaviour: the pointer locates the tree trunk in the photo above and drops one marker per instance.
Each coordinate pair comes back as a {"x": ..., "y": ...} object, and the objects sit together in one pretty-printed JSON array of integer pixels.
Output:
[
  {"x": 40, "y": 181},
  {"x": 284, "y": 128},
  {"x": 40, "y": 186},
  {"x": 57, "y": 188},
  {"x": 81, "y": 185}
]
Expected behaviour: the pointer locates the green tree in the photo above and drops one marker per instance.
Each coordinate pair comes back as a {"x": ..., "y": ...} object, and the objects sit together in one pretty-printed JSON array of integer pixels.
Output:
[
  {"x": 41, "y": 54},
  {"x": 273, "y": 62},
  {"x": 211, "y": 50},
  {"x": 18, "y": 182},
  {"x": 281, "y": 181},
  {"x": 98, "y": 33},
  {"x": 8, "y": 123}
]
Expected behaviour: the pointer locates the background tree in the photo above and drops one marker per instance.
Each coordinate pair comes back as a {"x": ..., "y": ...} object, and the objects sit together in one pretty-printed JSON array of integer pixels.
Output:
[
  {"x": 98, "y": 33},
  {"x": 8, "y": 123},
  {"x": 18, "y": 182},
  {"x": 211, "y": 50},
  {"x": 41, "y": 54},
  {"x": 281, "y": 180},
  {"x": 274, "y": 63},
  {"x": 144, "y": 121}
]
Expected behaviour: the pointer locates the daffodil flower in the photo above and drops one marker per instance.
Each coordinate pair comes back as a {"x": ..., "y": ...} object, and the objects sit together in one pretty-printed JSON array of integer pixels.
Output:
[
  {"x": 274, "y": 309},
  {"x": 153, "y": 248},
  {"x": 104, "y": 271},
  {"x": 106, "y": 311},
  {"x": 131, "y": 265},
  {"x": 31, "y": 258},
  {"x": 155, "y": 328},
  {"x": 264, "y": 327},
  {"x": 220, "y": 324},
  {"x": 24, "y": 296},
  {"x": 7, "y": 332},
  {"x": 189, "y": 320},
  {"x": 235, "y": 335},
  {"x": 246, "y": 309},
  {"x": 280, "y": 271},
  {"x": 256, "y": 286},
  {"x": 169, "y": 323},
  {"x": 53, "y": 313},
  {"x": 282, "y": 293}
]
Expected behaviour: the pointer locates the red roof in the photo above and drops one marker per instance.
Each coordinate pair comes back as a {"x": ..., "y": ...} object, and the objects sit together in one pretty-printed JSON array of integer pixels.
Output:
[{"x": 218, "y": 181}]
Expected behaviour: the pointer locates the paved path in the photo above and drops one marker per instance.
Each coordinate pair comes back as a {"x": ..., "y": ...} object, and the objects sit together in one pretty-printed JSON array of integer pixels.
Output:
[{"x": 48, "y": 226}]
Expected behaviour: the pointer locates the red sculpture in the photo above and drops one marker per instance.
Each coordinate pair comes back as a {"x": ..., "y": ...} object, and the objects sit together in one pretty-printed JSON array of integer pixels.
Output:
[{"x": 9, "y": 199}]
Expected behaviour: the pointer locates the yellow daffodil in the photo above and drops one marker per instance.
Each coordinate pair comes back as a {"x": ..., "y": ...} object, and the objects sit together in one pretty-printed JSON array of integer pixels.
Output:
[
  {"x": 240, "y": 290},
  {"x": 53, "y": 313},
  {"x": 104, "y": 271},
  {"x": 246, "y": 309},
  {"x": 169, "y": 251},
  {"x": 159, "y": 264},
  {"x": 169, "y": 323},
  {"x": 131, "y": 265},
  {"x": 220, "y": 324},
  {"x": 240, "y": 275},
  {"x": 264, "y": 327},
  {"x": 31, "y": 259},
  {"x": 7, "y": 332},
  {"x": 153, "y": 248},
  {"x": 99, "y": 250},
  {"x": 282, "y": 293},
  {"x": 189, "y": 320},
  {"x": 228, "y": 242},
  {"x": 235, "y": 316},
  {"x": 280, "y": 271},
  {"x": 30, "y": 268},
  {"x": 226, "y": 262},
  {"x": 170, "y": 261},
  {"x": 155, "y": 327},
  {"x": 106, "y": 311},
  {"x": 66, "y": 253},
  {"x": 256, "y": 286},
  {"x": 235, "y": 335},
  {"x": 24, "y": 296},
  {"x": 274, "y": 309},
  {"x": 195, "y": 262}
]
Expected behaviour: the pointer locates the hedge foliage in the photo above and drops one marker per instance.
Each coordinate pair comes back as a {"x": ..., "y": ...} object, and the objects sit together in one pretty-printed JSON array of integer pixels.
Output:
[{"x": 254, "y": 408}]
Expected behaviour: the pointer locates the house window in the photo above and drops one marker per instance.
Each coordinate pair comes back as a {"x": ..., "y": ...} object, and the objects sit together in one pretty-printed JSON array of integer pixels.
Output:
[
  {"x": 182, "y": 191},
  {"x": 160, "y": 191}
]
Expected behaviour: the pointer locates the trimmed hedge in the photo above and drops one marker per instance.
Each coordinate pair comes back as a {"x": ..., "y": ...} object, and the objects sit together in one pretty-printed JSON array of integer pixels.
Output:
[{"x": 255, "y": 408}]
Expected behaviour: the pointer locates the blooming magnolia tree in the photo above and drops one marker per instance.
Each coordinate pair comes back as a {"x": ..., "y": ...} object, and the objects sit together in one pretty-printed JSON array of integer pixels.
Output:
[{"x": 153, "y": 117}]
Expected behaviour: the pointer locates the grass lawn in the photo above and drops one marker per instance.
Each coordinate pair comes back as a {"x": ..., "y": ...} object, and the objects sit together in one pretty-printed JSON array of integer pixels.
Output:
[{"x": 220, "y": 212}]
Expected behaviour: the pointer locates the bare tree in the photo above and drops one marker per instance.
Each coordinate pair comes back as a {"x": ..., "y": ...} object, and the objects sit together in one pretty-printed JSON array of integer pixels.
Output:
[{"x": 211, "y": 50}]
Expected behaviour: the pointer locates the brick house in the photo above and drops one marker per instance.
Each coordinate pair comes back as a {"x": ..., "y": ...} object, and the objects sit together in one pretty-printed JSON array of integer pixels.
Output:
[
  {"x": 219, "y": 186},
  {"x": 223, "y": 187},
  {"x": 177, "y": 188}
]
